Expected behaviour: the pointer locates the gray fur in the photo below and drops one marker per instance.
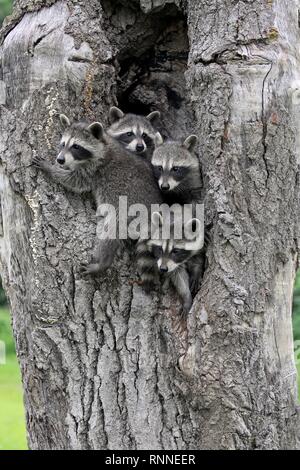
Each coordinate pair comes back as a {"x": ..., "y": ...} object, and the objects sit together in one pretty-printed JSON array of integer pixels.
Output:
[
  {"x": 115, "y": 114},
  {"x": 65, "y": 122},
  {"x": 183, "y": 273},
  {"x": 109, "y": 172},
  {"x": 142, "y": 140},
  {"x": 152, "y": 116},
  {"x": 170, "y": 156}
]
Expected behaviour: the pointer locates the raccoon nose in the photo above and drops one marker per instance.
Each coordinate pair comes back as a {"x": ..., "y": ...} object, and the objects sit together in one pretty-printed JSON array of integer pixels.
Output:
[
  {"x": 165, "y": 187},
  {"x": 60, "y": 160},
  {"x": 140, "y": 148},
  {"x": 164, "y": 270}
]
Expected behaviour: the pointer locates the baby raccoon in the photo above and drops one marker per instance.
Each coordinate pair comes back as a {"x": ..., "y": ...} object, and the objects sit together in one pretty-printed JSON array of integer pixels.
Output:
[
  {"x": 177, "y": 170},
  {"x": 181, "y": 260},
  {"x": 134, "y": 132},
  {"x": 91, "y": 161}
]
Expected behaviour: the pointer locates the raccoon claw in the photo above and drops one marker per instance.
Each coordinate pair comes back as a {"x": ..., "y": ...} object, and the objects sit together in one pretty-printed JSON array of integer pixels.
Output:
[
  {"x": 194, "y": 286},
  {"x": 186, "y": 309},
  {"x": 87, "y": 269},
  {"x": 39, "y": 162}
]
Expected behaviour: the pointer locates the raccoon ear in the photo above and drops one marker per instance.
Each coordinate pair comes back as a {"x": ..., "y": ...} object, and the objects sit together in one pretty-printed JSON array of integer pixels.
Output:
[
  {"x": 194, "y": 233},
  {"x": 115, "y": 114},
  {"x": 157, "y": 219},
  {"x": 96, "y": 129},
  {"x": 153, "y": 115},
  {"x": 190, "y": 142},
  {"x": 64, "y": 120},
  {"x": 193, "y": 226},
  {"x": 158, "y": 140}
]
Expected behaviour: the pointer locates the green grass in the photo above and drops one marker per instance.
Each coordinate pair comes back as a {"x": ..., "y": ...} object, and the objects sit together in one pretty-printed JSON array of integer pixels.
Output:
[
  {"x": 12, "y": 422},
  {"x": 5, "y": 9}
]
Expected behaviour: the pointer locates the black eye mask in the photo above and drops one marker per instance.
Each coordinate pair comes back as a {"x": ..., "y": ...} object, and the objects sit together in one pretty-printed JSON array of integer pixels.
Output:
[
  {"x": 157, "y": 171},
  {"x": 180, "y": 173},
  {"x": 180, "y": 255},
  {"x": 157, "y": 251},
  {"x": 126, "y": 138},
  {"x": 80, "y": 153},
  {"x": 147, "y": 139}
]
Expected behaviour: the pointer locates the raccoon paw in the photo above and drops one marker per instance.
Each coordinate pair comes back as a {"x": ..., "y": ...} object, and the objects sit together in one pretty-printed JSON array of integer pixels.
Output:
[
  {"x": 186, "y": 308},
  {"x": 148, "y": 286},
  {"x": 39, "y": 162},
  {"x": 194, "y": 286},
  {"x": 87, "y": 269}
]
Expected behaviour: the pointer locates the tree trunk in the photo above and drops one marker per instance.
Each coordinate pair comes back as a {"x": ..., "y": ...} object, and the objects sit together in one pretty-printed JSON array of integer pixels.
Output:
[{"x": 104, "y": 365}]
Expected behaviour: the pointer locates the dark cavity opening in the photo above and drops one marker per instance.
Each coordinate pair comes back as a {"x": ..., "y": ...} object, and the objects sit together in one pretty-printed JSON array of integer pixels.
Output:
[
  {"x": 152, "y": 58},
  {"x": 152, "y": 61}
]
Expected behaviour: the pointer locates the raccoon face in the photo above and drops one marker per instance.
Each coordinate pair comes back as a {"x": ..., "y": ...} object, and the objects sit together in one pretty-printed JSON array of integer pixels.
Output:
[
  {"x": 135, "y": 133},
  {"x": 174, "y": 162},
  {"x": 171, "y": 253},
  {"x": 80, "y": 144}
]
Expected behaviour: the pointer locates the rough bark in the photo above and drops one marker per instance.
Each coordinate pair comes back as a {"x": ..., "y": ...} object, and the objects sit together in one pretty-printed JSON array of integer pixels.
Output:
[{"x": 103, "y": 364}]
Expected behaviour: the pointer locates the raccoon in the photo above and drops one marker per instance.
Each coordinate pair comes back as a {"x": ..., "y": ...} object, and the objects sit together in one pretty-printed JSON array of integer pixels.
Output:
[
  {"x": 180, "y": 260},
  {"x": 134, "y": 132},
  {"x": 92, "y": 161},
  {"x": 177, "y": 170}
]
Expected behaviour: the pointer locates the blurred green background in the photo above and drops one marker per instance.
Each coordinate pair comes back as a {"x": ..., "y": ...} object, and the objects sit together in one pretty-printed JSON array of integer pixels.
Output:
[
  {"x": 12, "y": 420},
  {"x": 5, "y": 9}
]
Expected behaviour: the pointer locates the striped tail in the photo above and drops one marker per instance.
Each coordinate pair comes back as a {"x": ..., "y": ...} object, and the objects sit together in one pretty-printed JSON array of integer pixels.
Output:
[{"x": 146, "y": 265}]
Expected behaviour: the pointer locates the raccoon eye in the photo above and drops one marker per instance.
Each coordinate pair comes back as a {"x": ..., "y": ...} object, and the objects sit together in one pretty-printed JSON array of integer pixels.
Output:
[
  {"x": 176, "y": 251},
  {"x": 175, "y": 168},
  {"x": 157, "y": 250},
  {"x": 144, "y": 135},
  {"x": 129, "y": 134},
  {"x": 76, "y": 147},
  {"x": 160, "y": 168}
]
